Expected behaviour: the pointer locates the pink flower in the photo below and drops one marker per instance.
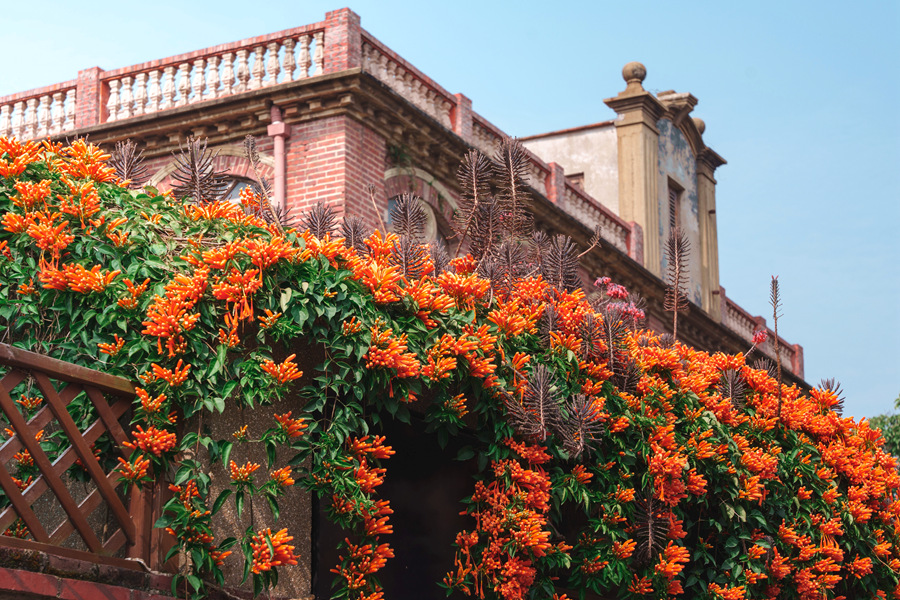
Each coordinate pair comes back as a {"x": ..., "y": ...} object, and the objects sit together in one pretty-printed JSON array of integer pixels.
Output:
[{"x": 760, "y": 336}]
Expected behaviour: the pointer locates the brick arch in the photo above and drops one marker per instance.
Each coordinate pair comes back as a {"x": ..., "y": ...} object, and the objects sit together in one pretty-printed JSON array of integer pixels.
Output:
[
  {"x": 436, "y": 195},
  {"x": 230, "y": 159}
]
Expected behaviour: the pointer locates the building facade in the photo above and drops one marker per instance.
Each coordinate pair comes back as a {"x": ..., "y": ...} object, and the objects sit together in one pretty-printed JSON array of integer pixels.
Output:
[{"x": 340, "y": 118}]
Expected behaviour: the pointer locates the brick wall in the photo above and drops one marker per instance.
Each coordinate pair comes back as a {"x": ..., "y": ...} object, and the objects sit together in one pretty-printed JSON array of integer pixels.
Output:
[{"x": 334, "y": 160}]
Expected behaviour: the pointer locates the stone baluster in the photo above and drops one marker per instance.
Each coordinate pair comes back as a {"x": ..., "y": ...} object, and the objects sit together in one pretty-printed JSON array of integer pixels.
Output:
[
  {"x": 112, "y": 103},
  {"x": 227, "y": 73},
  {"x": 69, "y": 122},
  {"x": 388, "y": 74},
  {"x": 140, "y": 93},
  {"x": 258, "y": 68},
  {"x": 154, "y": 92},
  {"x": 319, "y": 55},
  {"x": 430, "y": 105},
  {"x": 304, "y": 60},
  {"x": 409, "y": 87},
  {"x": 44, "y": 116},
  {"x": 243, "y": 71},
  {"x": 18, "y": 119},
  {"x": 289, "y": 62},
  {"x": 272, "y": 66},
  {"x": 199, "y": 80},
  {"x": 212, "y": 77},
  {"x": 126, "y": 99},
  {"x": 168, "y": 91},
  {"x": 184, "y": 84},
  {"x": 446, "y": 107},
  {"x": 31, "y": 118},
  {"x": 5, "y": 121},
  {"x": 418, "y": 92},
  {"x": 367, "y": 57}
]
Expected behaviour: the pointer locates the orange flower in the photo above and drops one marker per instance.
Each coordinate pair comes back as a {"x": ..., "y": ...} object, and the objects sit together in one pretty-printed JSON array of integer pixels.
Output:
[
  {"x": 29, "y": 403},
  {"x": 243, "y": 473},
  {"x": 155, "y": 441},
  {"x": 114, "y": 348},
  {"x": 150, "y": 406},
  {"x": 134, "y": 292},
  {"x": 280, "y": 554},
  {"x": 582, "y": 476},
  {"x": 135, "y": 470},
  {"x": 269, "y": 319},
  {"x": 291, "y": 427},
  {"x": 624, "y": 550},
  {"x": 282, "y": 477},
  {"x": 175, "y": 377},
  {"x": 284, "y": 372}
]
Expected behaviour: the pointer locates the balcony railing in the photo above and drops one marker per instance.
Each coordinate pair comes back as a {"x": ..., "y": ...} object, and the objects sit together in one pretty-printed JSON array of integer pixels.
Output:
[
  {"x": 58, "y": 418},
  {"x": 745, "y": 325}
]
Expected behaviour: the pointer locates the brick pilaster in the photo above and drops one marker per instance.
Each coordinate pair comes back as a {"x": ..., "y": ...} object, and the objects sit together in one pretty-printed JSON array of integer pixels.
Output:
[
  {"x": 343, "y": 40},
  {"x": 556, "y": 183},
  {"x": 89, "y": 100},
  {"x": 461, "y": 117}
]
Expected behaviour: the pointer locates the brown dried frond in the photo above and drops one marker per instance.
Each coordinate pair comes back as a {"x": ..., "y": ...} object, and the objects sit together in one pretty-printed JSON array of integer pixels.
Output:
[
  {"x": 764, "y": 363},
  {"x": 194, "y": 171},
  {"x": 591, "y": 332},
  {"x": 834, "y": 386},
  {"x": 474, "y": 176},
  {"x": 410, "y": 256},
  {"x": 485, "y": 232},
  {"x": 775, "y": 300},
  {"x": 320, "y": 220},
  {"x": 262, "y": 185},
  {"x": 540, "y": 414},
  {"x": 540, "y": 244},
  {"x": 580, "y": 427},
  {"x": 677, "y": 249},
  {"x": 509, "y": 263},
  {"x": 408, "y": 216},
  {"x": 651, "y": 528},
  {"x": 128, "y": 161},
  {"x": 548, "y": 324},
  {"x": 593, "y": 242},
  {"x": 511, "y": 165},
  {"x": 439, "y": 257},
  {"x": 355, "y": 232},
  {"x": 732, "y": 385},
  {"x": 560, "y": 264}
]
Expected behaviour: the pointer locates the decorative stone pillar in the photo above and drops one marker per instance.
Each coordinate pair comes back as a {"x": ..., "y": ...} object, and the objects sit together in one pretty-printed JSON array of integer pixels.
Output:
[
  {"x": 707, "y": 162},
  {"x": 638, "y": 159}
]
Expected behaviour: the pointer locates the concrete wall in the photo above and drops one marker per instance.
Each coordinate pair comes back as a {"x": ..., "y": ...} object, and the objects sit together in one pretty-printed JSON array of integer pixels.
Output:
[
  {"x": 678, "y": 164},
  {"x": 592, "y": 151}
]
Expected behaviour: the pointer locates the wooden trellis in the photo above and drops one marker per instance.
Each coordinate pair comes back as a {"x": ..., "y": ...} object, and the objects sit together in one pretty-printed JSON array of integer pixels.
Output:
[{"x": 128, "y": 527}]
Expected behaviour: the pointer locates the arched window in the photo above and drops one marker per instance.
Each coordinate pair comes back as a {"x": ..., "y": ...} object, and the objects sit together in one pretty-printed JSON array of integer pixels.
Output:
[{"x": 235, "y": 185}]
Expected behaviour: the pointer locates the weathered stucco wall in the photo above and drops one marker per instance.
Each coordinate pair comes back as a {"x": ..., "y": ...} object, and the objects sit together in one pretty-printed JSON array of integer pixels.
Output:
[
  {"x": 590, "y": 151},
  {"x": 678, "y": 163}
]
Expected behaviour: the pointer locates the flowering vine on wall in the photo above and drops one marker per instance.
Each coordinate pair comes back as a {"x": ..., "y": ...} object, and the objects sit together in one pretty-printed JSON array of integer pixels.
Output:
[{"x": 688, "y": 481}]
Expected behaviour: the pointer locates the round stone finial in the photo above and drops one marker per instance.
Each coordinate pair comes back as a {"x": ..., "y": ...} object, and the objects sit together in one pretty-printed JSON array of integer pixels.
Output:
[
  {"x": 634, "y": 72},
  {"x": 701, "y": 125}
]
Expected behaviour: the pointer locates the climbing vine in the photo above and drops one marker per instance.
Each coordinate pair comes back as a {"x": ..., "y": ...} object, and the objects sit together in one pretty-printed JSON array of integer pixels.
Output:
[{"x": 689, "y": 478}]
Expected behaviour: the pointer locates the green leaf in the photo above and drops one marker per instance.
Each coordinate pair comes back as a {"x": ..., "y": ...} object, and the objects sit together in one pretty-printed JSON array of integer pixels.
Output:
[{"x": 220, "y": 500}]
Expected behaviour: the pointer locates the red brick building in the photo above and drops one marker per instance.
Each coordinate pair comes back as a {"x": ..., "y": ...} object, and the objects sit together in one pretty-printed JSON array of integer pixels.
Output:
[{"x": 335, "y": 111}]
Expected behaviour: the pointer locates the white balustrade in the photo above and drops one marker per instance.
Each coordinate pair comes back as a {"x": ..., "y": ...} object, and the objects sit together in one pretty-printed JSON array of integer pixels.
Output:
[
  {"x": 5, "y": 120},
  {"x": 126, "y": 99},
  {"x": 258, "y": 69},
  {"x": 319, "y": 55},
  {"x": 39, "y": 116},
  {"x": 198, "y": 82},
  {"x": 206, "y": 78},
  {"x": 273, "y": 68}
]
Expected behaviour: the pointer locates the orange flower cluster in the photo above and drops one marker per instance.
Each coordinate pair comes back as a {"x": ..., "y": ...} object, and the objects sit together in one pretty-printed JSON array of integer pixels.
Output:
[
  {"x": 18, "y": 156},
  {"x": 284, "y": 372},
  {"x": 113, "y": 348},
  {"x": 174, "y": 377},
  {"x": 282, "y": 477},
  {"x": 135, "y": 470},
  {"x": 242, "y": 473},
  {"x": 153, "y": 440},
  {"x": 292, "y": 428},
  {"x": 271, "y": 550},
  {"x": 357, "y": 569},
  {"x": 389, "y": 352},
  {"x": 134, "y": 292},
  {"x": 511, "y": 515},
  {"x": 76, "y": 278}
]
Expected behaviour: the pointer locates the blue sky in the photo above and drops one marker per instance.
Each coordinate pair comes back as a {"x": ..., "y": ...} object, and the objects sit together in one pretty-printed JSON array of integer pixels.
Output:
[{"x": 798, "y": 97}]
